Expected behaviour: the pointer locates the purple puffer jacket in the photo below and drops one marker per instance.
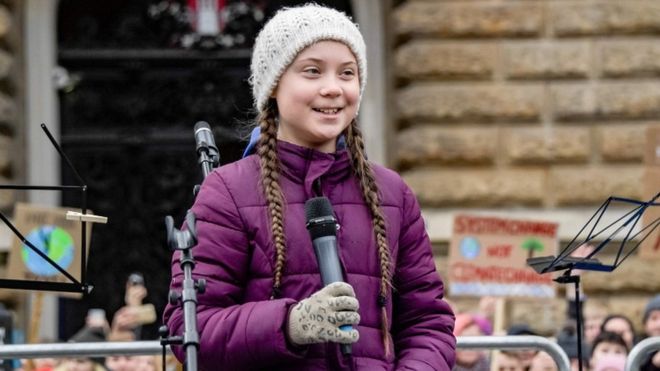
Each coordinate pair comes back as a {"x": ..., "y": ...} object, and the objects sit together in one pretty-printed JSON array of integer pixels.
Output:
[{"x": 241, "y": 329}]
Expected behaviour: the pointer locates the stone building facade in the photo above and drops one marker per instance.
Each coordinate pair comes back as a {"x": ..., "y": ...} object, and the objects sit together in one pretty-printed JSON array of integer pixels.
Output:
[
  {"x": 10, "y": 99},
  {"x": 529, "y": 104}
]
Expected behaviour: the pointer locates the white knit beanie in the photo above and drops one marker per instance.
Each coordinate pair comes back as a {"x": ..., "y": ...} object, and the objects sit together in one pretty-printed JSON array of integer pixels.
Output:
[{"x": 289, "y": 32}]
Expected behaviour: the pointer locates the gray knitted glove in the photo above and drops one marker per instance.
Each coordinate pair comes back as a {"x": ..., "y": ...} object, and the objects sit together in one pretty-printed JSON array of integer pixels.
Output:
[{"x": 317, "y": 318}]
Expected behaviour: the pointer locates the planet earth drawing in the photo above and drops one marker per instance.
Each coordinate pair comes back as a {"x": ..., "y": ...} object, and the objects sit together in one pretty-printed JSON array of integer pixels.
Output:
[
  {"x": 469, "y": 247},
  {"x": 53, "y": 241}
]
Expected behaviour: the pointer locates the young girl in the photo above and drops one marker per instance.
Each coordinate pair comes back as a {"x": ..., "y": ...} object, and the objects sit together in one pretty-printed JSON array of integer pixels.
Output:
[
  {"x": 621, "y": 325},
  {"x": 265, "y": 307},
  {"x": 607, "y": 347}
]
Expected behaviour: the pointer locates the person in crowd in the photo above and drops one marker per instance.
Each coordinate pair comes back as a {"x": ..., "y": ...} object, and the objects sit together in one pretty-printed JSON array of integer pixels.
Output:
[
  {"x": 506, "y": 361},
  {"x": 45, "y": 364},
  {"x": 594, "y": 313},
  {"x": 607, "y": 344},
  {"x": 610, "y": 362},
  {"x": 39, "y": 364},
  {"x": 651, "y": 321},
  {"x": 621, "y": 325},
  {"x": 542, "y": 361},
  {"x": 131, "y": 363},
  {"x": 128, "y": 320},
  {"x": 265, "y": 306},
  {"x": 148, "y": 363},
  {"x": 524, "y": 356},
  {"x": 121, "y": 363},
  {"x": 568, "y": 342},
  {"x": 468, "y": 324},
  {"x": 85, "y": 335}
]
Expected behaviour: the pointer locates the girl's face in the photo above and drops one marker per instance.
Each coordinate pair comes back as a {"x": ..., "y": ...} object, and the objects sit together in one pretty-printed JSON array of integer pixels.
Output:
[
  {"x": 317, "y": 96},
  {"x": 620, "y": 326},
  {"x": 652, "y": 324},
  {"x": 606, "y": 348}
]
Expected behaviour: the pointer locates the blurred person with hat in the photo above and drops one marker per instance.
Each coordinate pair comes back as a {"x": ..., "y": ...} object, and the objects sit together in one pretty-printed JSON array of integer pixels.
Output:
[
  {"x": 525, "y": 356},
  {"x": 85, "y": 335},
  {"x": 468, "y": 324},
  {"x": 651, "y": 322}
]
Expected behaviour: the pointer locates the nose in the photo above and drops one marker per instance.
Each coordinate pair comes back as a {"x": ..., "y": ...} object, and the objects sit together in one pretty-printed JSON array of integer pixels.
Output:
[{"x": 331, "y": 87}]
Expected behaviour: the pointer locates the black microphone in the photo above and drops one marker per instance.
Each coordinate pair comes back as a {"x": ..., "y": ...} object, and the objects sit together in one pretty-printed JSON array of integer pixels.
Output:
[
  {"x": 205, "y": 142},
  {"x": 322, "y": 227}
]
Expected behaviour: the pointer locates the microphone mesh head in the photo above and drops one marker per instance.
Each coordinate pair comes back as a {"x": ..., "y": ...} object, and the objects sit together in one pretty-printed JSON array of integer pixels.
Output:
[{"x": 317, "y": 207}]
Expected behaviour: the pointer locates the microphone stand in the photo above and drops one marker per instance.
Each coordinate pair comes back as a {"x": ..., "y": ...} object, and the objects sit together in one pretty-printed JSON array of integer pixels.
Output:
[
  {"x": 564, "y": 261},
  {"x": 184, "y": 241},
  {"x": 566, "y": 278},
  {"x": 207, "y": 160}
]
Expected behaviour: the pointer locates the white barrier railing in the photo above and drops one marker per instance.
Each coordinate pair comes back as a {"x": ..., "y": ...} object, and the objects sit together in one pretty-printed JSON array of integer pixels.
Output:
[
  {"x": 517, "y": 342},
  {"x": 100, "y": 349},
  {"x": 639, "y": 352}
]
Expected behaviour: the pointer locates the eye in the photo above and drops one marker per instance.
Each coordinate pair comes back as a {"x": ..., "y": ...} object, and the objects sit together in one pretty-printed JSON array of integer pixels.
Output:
[
  {"x": 312, "y": 70},
  {"x": 348, "y": 72}
]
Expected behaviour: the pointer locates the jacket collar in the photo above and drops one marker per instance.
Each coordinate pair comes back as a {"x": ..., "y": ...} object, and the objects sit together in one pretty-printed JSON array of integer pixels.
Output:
[{"x": 304, "y": 165}]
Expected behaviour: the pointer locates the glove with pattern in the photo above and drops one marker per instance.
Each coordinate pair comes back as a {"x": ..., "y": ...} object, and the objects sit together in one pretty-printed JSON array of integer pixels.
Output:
[{"x": 318, "y": 318}]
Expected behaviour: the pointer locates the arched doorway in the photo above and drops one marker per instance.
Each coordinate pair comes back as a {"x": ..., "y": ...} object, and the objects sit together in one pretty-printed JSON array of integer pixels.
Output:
[{"x": 131, "y": 86}]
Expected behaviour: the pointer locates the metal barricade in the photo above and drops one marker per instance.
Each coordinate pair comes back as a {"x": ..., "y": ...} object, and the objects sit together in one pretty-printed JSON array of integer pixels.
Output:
[
  {"x": 100, "y": 349},
  {"x": 517, "y": 342},
  {"x": 640, "y": 351}
]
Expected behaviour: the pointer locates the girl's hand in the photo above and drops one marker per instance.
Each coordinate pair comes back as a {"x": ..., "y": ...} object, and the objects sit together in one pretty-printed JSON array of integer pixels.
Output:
[{"x": 317, "y": 319}]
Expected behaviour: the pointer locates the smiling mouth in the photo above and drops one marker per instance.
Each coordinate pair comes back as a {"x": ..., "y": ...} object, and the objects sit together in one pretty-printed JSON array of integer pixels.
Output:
[{"x": 327, "y": 111}]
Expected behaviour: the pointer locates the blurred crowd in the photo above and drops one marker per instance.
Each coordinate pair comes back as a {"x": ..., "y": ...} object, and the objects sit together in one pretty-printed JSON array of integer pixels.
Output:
[
  {"x": 607, "y": 340},
  {"x": 126, "y": 325}
]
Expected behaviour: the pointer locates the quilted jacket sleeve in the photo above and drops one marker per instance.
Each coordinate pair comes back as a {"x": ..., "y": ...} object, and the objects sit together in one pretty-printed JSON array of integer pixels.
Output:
[
  {"x": 422, "y": 322},
  {"x": 233, "y": 334}
]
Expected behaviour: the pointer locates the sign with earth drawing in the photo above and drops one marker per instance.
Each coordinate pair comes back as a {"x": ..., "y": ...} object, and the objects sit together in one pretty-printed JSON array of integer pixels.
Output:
[
  {"x": 51, "y": 233},
  {"x": 487, "y": 256}
]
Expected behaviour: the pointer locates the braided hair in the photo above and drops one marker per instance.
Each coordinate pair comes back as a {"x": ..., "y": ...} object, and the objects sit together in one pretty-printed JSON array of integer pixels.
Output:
[
  {"x": 369, "y": 189},
  {"x": 269, "y": 175}
]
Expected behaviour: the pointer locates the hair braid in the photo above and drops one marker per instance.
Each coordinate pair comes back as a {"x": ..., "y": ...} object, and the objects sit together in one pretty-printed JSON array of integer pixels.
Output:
[
  {"x": 369, "y": 190},
  {"x": 270, "y": 172}
]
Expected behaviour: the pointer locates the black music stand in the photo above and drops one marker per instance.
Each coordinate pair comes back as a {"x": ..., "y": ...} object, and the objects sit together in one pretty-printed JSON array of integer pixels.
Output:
[
  {"x": 567, "y": 263},
  {"x": 74, "y": 285}
]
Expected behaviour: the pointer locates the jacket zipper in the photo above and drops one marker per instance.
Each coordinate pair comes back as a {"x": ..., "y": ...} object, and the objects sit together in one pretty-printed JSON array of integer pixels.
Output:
[{"x": 316, "y": 187}]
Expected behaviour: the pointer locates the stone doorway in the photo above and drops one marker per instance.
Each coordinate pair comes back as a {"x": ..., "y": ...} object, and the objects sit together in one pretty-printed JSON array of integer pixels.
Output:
[{"x": 131, "y": 86}]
